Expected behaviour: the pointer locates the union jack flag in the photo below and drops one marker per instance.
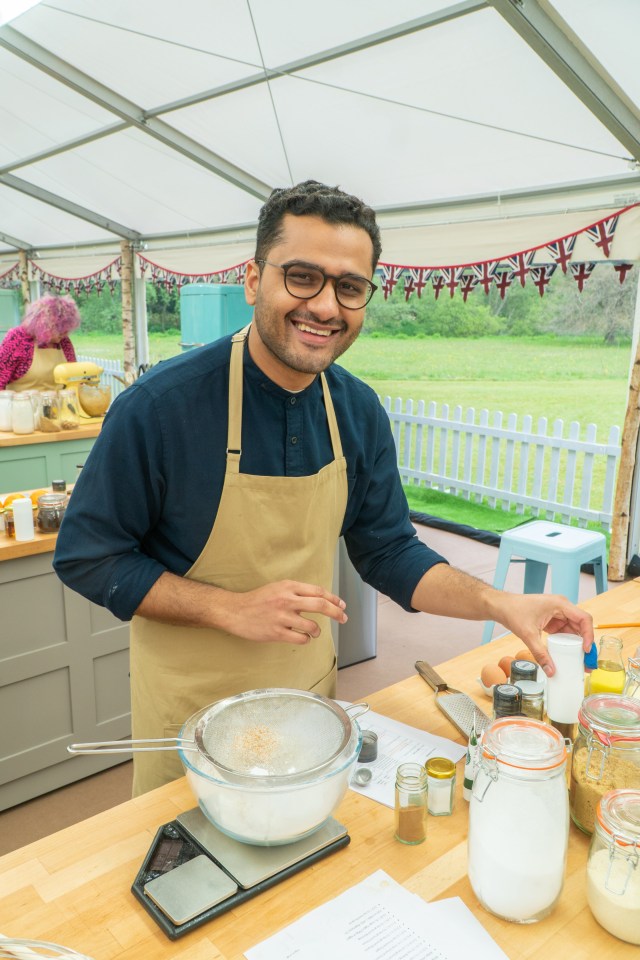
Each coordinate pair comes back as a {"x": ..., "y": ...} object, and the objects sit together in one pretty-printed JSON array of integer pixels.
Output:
[
  {"x": 622, "y": 269},
  {"x": 561, "y": 250},
  {"x": 451, "y": 278},
  {"x": 485, "y": 274},
  {"x": 438, "y": 283},
  {"x": 415, "y": 281},
  {"x": 542, "y": 275},
  {"x": 581, "y": 272},
  {"x": 467, "y": 282},
  {"x": 521, "y": 264},
  {"x": 602, "y": 234},
  {"x": 240, "y": 272},
  {"x": 503, "y": 281},
  {"x": 390, "y": 277}
]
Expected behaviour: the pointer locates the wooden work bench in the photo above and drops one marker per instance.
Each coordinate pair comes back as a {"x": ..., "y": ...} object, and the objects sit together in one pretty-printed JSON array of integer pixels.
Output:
[
  {"x": 73, "y": 887},
  {"x": 35, "y": 459}
]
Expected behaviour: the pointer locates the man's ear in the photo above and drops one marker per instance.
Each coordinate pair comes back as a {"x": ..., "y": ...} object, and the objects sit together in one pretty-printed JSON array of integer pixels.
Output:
[{"x": 251, "y": 282}]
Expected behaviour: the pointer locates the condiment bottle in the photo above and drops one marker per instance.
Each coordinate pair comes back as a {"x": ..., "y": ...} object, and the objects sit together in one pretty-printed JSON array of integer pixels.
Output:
[
  {"x": 532, "y": 698},
  {"x": 507, "y": 700},
  {"x": 22, "y": 419},
  {"x": 606, "y": 753},
  {"x": 613, "y": 867},
  {"x": 610, "y": 675},
  {"x": 411, "y": 803},
  {"x": 441, "y": 786},
  {"x": 523, "y": 670},
  {"x": 517, "y": 871},
  {"x": 565, "y": 689}
]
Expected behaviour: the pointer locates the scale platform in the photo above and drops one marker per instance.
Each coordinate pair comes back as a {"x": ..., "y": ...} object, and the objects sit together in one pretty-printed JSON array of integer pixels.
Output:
[{"x": 193, "y": 872}]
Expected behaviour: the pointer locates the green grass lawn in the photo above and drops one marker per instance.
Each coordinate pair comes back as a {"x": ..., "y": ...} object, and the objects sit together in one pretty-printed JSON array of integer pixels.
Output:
[{"x": 544, "y": 377}]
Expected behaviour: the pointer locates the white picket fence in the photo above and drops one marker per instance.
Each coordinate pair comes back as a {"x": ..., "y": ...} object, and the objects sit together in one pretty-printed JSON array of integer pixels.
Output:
[
  {"x": 109, "y": 367},
  {"x": 505, "y": 465}
]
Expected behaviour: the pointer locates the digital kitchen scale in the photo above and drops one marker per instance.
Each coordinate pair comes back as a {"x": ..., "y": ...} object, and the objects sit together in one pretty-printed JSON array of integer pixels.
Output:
[{"x": 193, "y": 872}]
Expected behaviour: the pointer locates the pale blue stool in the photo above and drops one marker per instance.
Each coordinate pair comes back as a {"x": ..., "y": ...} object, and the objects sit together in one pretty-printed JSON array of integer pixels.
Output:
[{"x": 541, "y": 544}]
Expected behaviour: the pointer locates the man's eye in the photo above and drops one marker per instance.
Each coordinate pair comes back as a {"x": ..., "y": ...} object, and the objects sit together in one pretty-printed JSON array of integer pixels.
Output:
[
  {"x": 303, "y": 278},
  {"x": 352, "y": 287}
]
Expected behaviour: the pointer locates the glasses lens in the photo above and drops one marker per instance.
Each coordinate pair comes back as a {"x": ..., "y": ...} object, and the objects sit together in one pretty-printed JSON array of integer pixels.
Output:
[
  {"x": 303, "y": 281},
  {"x": 353, "y": 291}
]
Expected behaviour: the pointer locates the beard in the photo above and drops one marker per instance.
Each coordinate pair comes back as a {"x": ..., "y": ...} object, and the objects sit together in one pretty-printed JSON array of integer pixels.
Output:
[{"x": 278, "y": 335}]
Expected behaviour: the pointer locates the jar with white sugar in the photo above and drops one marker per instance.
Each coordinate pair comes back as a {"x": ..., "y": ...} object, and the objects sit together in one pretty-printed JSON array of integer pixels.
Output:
[
  {"x": 22, "y": 418},
  {"x": 520, "y": 780},
  {"x": 613, "y": 868},
  {"x": 6, "y": 399}
]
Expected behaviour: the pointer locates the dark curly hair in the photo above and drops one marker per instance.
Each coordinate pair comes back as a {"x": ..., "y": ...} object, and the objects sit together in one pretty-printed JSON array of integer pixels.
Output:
[{"x": 313, "y": 199}]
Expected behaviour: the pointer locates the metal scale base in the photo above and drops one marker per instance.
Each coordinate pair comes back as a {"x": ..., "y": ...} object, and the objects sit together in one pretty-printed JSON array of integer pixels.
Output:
[{"x": 193, "y": 872}]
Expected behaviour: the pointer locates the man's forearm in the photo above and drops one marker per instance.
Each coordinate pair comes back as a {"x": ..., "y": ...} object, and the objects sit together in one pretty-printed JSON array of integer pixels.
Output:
[
  {"x": 448, "y": 592},
  {"x": 185, "y": 603}
]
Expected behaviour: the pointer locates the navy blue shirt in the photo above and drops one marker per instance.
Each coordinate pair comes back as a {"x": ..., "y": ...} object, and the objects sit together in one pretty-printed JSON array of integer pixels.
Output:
[{"x": 147, "y": 497}]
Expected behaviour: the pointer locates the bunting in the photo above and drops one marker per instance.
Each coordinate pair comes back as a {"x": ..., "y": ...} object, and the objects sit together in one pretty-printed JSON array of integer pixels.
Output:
[
  {"x": 602, "y": 233},
  {"x": 173, "y": 279},
  {"x": 108, "y": 276},
  {"x": 581, "y": 273},
  {"x": 542, "y": 275},
  {"x": 561, "y": 250},
  {"x": 390, "y": 277},
  {"x": 11, "y": 276}
]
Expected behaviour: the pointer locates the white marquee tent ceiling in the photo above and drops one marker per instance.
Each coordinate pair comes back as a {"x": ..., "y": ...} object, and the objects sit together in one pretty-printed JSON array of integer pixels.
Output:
[{"x": 168, "y": 124}]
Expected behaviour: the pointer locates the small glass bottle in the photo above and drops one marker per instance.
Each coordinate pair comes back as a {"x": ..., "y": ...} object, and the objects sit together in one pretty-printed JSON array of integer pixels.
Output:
[
  {"x": 632, "y": 685},
  {"x": 532, "y": 698},
  {"x": 523, "y": 670},
  {"x": 441, "y": 786},
  {"x": 610, "y": 675},
  {"x": 613, "y": 867},
  {"x": 411, "y": 803},
  {"x": 507, "y": 700}
]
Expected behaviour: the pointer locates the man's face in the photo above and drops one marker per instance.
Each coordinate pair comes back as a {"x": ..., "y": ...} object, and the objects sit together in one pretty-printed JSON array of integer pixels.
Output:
[{"x": 292, "y": 339}]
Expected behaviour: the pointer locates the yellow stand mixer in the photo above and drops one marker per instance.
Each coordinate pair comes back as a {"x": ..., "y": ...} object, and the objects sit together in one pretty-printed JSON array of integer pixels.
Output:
[{"x": 84, "y": 379}]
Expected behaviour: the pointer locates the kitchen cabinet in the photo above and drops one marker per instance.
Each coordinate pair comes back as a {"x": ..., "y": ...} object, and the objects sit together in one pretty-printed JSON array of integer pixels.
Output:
[
  {"x": 34, "y": 460},
  {"x": 64, "y": 675}
]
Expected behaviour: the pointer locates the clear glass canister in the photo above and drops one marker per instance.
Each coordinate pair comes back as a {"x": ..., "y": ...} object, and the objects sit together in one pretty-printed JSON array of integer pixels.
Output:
[
  {"x": 411, "y": 803},
  {"x": 613, "y": 868},
  {"x": 68, "y": 410},
  {"x": 606, "y": 753},
  {"x": 441, "y": 786},
  {"x": 50, "y": 411},
  {"x": 6, "y": 398},
  {"x": 632, "y": 684},
  {"x": 51, "y": 507},
  {"x": 22, "y": 418},
  {"x": 519, "y": 820}
]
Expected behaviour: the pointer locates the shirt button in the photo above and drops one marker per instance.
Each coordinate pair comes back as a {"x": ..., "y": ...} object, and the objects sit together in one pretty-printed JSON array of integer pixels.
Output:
[
  {"x": 292, "y": 401},
  {"x": 294, "y": 439}
]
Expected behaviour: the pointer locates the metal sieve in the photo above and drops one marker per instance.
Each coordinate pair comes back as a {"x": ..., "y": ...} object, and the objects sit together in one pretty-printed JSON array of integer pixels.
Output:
[{"x": 273, "y": 733}]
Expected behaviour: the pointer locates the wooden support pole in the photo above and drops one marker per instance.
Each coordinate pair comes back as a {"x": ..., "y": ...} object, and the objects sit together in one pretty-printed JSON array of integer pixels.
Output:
[
  {"x": 622, "y": 500},
  {"x": 129, "y": 346},
  {"x": 23, "y": 269}
]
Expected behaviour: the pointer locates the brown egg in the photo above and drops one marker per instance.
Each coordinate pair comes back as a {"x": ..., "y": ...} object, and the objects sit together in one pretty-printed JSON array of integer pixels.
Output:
[
  {"x": 505, "y": 665},
  {"x": 525, "y": 654},
  {"x": 491, "y": 673}
]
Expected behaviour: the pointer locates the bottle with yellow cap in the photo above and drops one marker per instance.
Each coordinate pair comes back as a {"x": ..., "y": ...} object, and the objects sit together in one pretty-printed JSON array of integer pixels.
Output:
[{"x": 441, "y": 785}]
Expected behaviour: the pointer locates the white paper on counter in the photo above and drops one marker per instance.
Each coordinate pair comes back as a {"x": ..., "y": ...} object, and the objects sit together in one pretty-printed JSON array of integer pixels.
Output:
[
  {"x": 398, "y": 743},
  {"x": 378, "y": 919}
]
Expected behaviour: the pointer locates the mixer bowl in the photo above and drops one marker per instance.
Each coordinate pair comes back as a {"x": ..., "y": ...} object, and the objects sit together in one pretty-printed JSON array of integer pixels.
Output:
[{"x": 94, "y": 398}]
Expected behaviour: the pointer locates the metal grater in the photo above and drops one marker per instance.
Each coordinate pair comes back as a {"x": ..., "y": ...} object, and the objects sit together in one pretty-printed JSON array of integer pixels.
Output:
[{"x": 457, "y": 706}]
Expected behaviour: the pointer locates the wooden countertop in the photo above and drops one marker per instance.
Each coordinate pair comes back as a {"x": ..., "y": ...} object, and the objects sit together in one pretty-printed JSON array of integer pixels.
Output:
[
  {"x": 73, "y": 888},
  {"x": 11, "y": 549},
  {"x": 84, "y": 431}
]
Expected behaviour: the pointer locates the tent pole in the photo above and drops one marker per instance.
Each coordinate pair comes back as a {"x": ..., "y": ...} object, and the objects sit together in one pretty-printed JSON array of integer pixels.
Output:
[
  {"x": 625, "y": 524},
  {"x": 24, "y": 277},
  {"x": 126, "y": 252},
  {"x": 142, "y": 331}
]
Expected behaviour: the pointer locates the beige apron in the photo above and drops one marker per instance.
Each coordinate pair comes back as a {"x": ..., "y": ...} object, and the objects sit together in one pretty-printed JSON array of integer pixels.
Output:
[
  {"x": 266, "y": 529},
  {"x": 39, "y": 376}
]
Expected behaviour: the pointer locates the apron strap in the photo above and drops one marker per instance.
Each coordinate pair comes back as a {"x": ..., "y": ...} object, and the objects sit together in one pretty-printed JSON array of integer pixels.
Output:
[{"x": 234, "y": 428}]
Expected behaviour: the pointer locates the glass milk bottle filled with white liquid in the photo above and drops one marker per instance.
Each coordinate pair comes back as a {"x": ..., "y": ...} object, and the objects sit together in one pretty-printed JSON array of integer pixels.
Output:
[{"x": 517, "y": 873}]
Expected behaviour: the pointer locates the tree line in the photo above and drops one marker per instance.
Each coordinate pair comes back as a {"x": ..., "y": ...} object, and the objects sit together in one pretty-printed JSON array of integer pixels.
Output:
[{"x": 603, "y": 310}]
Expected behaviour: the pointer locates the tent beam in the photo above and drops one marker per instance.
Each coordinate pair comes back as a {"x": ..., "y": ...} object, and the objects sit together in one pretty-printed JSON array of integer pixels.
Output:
[
  {"x": 45, "y": 196},
  {"x": 548, "y": 35},
  {"x": 24, "y": 48}
]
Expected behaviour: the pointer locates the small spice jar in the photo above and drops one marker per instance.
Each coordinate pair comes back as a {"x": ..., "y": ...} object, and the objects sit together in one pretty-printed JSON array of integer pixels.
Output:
[
  {"x": 441, "y": 786},
  {"x": 507, "y": 700},
  {"x": 606, "y": 753},
  {"x": 613, "y": 867},
  {"x": 411, "y": 803},
  {"x": 523, "y": 670},
  {"x": 532, "y": 698},
  {"x": 9, "y": 525},
  {"x": 51, "y": 507},
  {"x": 369, "y": 748}
]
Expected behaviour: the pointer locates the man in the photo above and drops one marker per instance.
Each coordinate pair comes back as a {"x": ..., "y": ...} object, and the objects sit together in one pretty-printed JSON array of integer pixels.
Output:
[{"x": 210, "y": 506}]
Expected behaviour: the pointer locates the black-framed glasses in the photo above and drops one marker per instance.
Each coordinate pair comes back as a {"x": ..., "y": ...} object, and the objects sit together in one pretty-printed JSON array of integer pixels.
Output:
[{"x": 305, "y": 281}]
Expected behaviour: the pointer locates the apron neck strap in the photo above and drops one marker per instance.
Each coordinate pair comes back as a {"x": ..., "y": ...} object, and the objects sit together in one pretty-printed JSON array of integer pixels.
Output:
[{"x": 234, "y": 428}]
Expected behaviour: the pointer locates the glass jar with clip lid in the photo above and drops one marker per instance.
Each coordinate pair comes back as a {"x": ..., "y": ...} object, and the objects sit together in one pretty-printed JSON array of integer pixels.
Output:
[
  {"x": 613, "y": 868},
  {"x": 520, "y": 780}
]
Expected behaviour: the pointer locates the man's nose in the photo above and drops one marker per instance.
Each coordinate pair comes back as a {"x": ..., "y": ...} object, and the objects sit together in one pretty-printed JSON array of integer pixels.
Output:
[{"x": 325, "y": 303}]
